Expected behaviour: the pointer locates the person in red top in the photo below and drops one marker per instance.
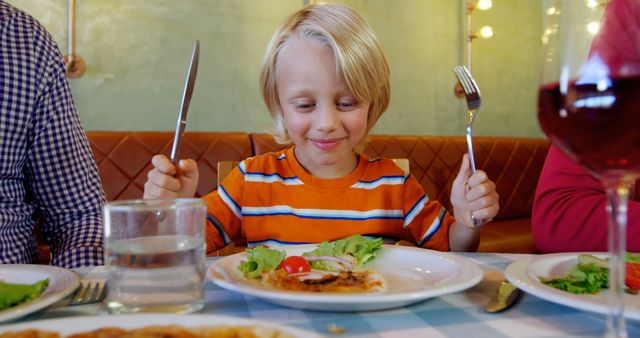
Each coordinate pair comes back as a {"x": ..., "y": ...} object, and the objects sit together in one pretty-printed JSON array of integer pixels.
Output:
[
  {"x": 569, "y": 205},
  {"x": 569, "y": 209}
]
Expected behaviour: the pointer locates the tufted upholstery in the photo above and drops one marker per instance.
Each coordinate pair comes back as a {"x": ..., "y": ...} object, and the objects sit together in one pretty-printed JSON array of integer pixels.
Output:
[
  {"x": 513, "y": 163},
  {"x": 123, "y": 158}
]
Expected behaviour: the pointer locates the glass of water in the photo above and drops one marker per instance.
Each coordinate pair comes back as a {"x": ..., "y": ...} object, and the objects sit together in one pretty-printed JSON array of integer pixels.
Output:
[{"x": 155, "y": 255}]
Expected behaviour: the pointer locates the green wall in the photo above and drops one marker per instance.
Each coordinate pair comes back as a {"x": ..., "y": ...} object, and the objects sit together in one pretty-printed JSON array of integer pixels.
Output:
[{"x": 137, "y": 54}]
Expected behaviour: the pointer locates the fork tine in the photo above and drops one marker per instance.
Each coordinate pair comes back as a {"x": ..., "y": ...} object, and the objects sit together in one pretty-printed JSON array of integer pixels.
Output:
[
  {"x": 89, "y": 292},
  {"x": 103, "y": 291},
  {"x": 462, "y": 77},
  {"x": 80, "y": 292},
  {"x": 468, "y": 88},
  {"x": 457, "y": 70},
  {"x": 473, "y": 86}
]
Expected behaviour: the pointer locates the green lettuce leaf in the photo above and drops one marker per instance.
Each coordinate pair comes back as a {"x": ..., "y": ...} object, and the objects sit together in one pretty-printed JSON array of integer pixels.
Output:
[
  {"x": 14, "y": 294},
  {"x": 581, "y": 279},
  {"x": 356, "y": 249},
  {"x": 589, "y": 276},
  {"x": 261, "y": 259},
  {"x": 631, "y": 257}
]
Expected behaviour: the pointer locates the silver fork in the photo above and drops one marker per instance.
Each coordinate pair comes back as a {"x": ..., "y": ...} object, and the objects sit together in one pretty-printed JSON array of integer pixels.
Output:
[
  {"x": 92, "y": 291},
  {"x": 472, "y": 96}
]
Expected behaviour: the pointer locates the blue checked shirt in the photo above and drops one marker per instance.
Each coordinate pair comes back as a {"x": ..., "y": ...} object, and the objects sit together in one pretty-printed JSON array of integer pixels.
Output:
[{"x": 47, "y": 170}]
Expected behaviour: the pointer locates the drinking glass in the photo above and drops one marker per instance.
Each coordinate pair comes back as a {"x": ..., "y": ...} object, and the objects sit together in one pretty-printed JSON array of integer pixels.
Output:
[
  {"x": 155, "y": 255},
  {"x": 588, "y": 107}
]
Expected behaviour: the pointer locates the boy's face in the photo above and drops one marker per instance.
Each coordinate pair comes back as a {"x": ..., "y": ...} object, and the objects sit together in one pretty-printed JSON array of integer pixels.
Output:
[{"x": 324, "y": 120}]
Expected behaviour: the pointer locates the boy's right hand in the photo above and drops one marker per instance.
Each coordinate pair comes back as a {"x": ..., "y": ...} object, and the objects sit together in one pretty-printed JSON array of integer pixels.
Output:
[{"x": 163, "y": 182}]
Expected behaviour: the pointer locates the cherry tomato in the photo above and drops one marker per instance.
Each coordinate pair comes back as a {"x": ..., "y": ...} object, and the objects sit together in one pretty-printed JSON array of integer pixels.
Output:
[
  {"x": 295, "y": 264},
  {"x": 632, "y": 278}
]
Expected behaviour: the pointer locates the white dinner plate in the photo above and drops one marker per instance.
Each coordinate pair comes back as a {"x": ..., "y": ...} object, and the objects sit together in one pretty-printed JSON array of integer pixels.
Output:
[
  {"x": 412, "y": 274},
  {"x": 62, "y": 282},
  {"x": 72, "y": 325},
  {"x": 526, "y": 273}
]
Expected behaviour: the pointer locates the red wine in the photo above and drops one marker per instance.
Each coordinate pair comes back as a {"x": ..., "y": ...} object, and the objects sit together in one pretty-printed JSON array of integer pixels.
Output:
[{"x": 598, "y": 128}]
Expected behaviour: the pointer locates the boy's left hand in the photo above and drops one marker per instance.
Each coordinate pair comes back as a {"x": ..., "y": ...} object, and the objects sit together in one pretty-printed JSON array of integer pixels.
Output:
[{"x": 473, "y": 195}]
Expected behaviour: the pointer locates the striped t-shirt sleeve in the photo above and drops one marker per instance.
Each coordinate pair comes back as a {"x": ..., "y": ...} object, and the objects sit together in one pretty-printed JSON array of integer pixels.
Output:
[
  {"x": 426, "y": 222},
  {"x": 225, "y": 204}
]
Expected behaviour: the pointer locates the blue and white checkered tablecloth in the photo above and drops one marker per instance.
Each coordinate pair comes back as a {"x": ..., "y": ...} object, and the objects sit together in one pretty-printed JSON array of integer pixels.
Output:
[{"x": 458, "y": 315}]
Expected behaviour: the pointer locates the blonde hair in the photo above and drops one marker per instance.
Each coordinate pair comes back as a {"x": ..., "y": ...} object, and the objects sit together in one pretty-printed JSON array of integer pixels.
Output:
[{"x": 359, "y": 58}]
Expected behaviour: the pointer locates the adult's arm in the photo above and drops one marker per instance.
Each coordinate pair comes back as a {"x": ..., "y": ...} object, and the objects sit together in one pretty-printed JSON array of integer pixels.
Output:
[
  {"x": 62, "y": 177},
  {"x": 569, "y": 209}
]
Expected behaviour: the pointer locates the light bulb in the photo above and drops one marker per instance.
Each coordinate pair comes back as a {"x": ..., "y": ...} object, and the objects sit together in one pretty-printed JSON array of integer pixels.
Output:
[
  {"x": 592, "y": 3},
  {"x": 551, "y": 11},
  {"x": 486, "y": 32},
  {"x": 483, "y": 5},
  {"x": 593, "y": 27}
]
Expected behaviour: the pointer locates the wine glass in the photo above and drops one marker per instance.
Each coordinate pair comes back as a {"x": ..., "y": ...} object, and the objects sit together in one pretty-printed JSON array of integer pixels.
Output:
[{"x": 589, "y": 106}]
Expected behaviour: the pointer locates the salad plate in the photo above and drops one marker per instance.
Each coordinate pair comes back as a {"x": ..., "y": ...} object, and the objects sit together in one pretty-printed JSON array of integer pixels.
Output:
[
  {"x": 72, "y": 325},
  {"x": 62, "y": 282},
  {"x": 526, "y": 273},
  {"x": 412, "y": 275}
]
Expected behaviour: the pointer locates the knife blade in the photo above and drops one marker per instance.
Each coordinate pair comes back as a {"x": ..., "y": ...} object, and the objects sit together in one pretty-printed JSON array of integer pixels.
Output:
[{"x": 186, "y": 99}]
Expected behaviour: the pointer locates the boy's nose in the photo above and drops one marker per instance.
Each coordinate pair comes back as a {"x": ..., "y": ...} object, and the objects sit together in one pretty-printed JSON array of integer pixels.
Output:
[{"x": 327, "y": 118}]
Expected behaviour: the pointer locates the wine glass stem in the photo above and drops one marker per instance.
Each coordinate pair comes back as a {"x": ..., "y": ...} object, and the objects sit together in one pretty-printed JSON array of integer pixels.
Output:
[{"x": 618, "y": 198}]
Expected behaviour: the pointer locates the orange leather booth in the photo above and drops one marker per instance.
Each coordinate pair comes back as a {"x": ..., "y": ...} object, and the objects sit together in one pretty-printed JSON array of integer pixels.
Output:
[{"x": 514, "y": 164}]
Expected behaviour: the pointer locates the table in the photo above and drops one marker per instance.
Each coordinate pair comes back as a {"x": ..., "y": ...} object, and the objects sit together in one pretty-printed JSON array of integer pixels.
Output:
[{"x": 455, "y": 315}]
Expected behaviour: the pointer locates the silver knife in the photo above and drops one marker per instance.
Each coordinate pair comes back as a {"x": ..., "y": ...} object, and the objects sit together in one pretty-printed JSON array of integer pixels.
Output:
[{"x": 186, "y": 99}]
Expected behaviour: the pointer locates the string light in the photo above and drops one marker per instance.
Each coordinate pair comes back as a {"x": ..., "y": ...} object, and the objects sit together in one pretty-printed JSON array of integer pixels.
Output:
[
  {"x": 592, "y": 3},
  {"x": 486, "y": 32},
  {"x": 593, "y": 27},
  {"x": 484, "y": 5}
]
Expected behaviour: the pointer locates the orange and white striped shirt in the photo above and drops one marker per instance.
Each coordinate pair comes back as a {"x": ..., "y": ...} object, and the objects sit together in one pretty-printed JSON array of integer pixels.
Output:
[{"x": 272, "y": 200}]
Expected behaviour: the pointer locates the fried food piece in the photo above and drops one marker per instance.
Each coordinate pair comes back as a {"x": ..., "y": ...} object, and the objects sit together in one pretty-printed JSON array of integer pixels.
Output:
[
  {"x": 345, "y": 281},
  {"x": 167, "y": 331},
  {"x": 240, "y": 332},
  {"x": 30, "y": 334},
  {"x": 107, "y": 332},
  {"x": 170, "y": 331}
]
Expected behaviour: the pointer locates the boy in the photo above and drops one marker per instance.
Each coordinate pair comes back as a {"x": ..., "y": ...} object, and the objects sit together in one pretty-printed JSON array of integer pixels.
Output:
[{"x": 325, "y": 81}]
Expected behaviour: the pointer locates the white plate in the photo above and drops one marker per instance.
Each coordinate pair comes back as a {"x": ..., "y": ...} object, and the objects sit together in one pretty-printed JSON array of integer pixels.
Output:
[
  {"x": 526, "y": 273},
  {"x": 413, "y": 275},
  {"x": 62, "y": 282},
  {"x": 71, "y": 325}
]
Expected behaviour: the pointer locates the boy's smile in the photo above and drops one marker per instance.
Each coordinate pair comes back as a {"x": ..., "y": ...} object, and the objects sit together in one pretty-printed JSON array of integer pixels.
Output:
[
  {"x": 327, "y": 145},
  {"x": 323, "y": 118}
]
